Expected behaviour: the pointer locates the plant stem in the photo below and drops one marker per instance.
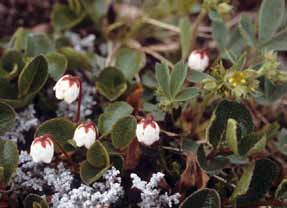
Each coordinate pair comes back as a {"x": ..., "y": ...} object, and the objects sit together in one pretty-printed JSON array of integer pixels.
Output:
[
  {"x": 161, "y": 24},
  {"x": 195, "y": 27},
  {"x": 78, "y": 114},
  {"x": 63, "y": 151}
]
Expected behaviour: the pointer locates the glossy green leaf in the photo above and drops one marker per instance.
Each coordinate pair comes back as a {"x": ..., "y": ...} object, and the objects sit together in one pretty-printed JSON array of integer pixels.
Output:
[
  {"x": 252, "y": 144},
  {"x": 64, "y": 18},
  {"x": 270, "y": 18},
  {"x": 204, "y": 198},
  {"x": 111, "y": 83},
  {"x": 7, "y": 117},
  {"x": 123, "y": 132},
  {"x": 185, "y": 37},
  {"x": 33, "y": 76},
  {"x": 76, "y": 60},
  {"x": 98, "y": 156},
  {"x": 112, "y": 113},
  {"x": 10, "y": 58},
  {"x": 163, "y": 78},
  {"x": 231, "y": 135},
  {"x": 224, "y": 111},
  {"x": 61, "y": 128},
  {"x": 57, "y": 64},
  {"x": 177, "y": 78},
  {"x": 211, "y": 166},
  {"x": 96, "y": 9},
  {"x": 244, "y": 182},
  {"x": 260, "y": 182},
  {"x": 129, "y": 61},
  {"x": 19, "y": 39},
  {"x": 32, "y": 199},
  {"x": 37, "y": 44},
  {"x": 90, "y": 174},
  {"x": 8, "y": 160}
]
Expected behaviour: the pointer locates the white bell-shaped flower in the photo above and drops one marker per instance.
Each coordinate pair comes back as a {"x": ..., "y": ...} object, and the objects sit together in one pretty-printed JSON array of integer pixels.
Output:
[
  {"x": 85, "y": 134},
  {"x": 67, "y": 88},
  {"x": 198, "y": 60},
  {"x": 147, "y": 131},
  {"x": 42, "y": 149}
]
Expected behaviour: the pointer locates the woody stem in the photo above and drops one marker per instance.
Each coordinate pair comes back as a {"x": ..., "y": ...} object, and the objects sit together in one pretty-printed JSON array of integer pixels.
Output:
[{"x": 78, "y": 114}]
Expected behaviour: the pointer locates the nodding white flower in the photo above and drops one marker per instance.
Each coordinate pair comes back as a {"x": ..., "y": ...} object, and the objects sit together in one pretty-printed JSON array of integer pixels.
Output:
[
  {"x": 42, "y": 149},
  {"x": 147, "y": 131},
  {"x": 67, "y": 88},
  {"x": 198, "y": 60},
  {"x": 85, "y": 134}
]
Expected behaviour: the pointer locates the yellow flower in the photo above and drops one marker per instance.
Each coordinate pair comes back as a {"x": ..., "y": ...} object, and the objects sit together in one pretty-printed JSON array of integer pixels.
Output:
[{"x": 238, "y": 78}]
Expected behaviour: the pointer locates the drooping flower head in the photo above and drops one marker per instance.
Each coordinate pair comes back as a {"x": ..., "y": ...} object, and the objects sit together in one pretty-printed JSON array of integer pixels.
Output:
[
  {"x": 85, "y": 134},
  {"x": 147, "y": 131},
  {"x": 198, "y": 60},
  {"x": 42, "y": 149},
  {"x": 67, "y": 88}
]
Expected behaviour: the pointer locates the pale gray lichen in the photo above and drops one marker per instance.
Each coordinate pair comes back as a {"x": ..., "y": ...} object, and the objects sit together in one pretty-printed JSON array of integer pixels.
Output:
[
  {"x": 81, "y": 44},
  {"x": 151, "y": 195},
  {"x": 36, "y": 176},
  {"x": 25, "y": 120},
  {"x": 101, "y": 194},
  {"x": 88, "y": 103}
]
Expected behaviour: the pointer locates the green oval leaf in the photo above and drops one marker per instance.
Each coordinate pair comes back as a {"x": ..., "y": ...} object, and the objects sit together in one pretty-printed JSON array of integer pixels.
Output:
[
  {"x": 186, "y": 94},
  {"x": 37, "y": 44},
  {"x": 112, "y": 113},
  {"x": 7, "y": 117},
  {"x": 205, "y": 198},
  {"x": 98, "y": 156},
  {"x": 224, "y": 111},
  {"x": 111, "y": 83},
  {"x": 270, "y": 18},
  {"x": 123, "y": 132},
  {"x": 61, "y": 128},
  {"x": 76, "y": 60},
  {"x": 129, "y": 61},
  {"x": 90, "y": 174},
  {"x": 211, "y": 166},
  {"x": 33, "y": 76},
  {"x": 244, "y": 182},
  {"x": 8, "y": 159},
  {"x": 163, "y": 78},
  {"x": 260, "y": 182},
  {"x": 64, "y": 18},
  {"x": 177, "y": 78},
  {"x": 57, "y": 64}
]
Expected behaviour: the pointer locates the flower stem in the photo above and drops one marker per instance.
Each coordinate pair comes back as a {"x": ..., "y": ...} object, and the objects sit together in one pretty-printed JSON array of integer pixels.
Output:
[
  {"x": 78, "y": 114},
  {"x": 63, "y": 151},
  {"x": 195, "y": 27}
]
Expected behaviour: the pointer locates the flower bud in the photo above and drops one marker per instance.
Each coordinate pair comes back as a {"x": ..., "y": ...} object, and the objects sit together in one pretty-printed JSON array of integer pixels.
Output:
[
  {"x": 85, "y": 134},
  {"x": 42, "y": 149},
  {"x": 67, "y": 88},
  {"x": 147, "y": 131},
  {"x": 198, "y": 60}
]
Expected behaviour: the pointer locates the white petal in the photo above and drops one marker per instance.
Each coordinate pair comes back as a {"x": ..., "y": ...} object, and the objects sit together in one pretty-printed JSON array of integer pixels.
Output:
[
  {"x": 71, "y": 94},
  {"x": 79, "y": 136}
]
